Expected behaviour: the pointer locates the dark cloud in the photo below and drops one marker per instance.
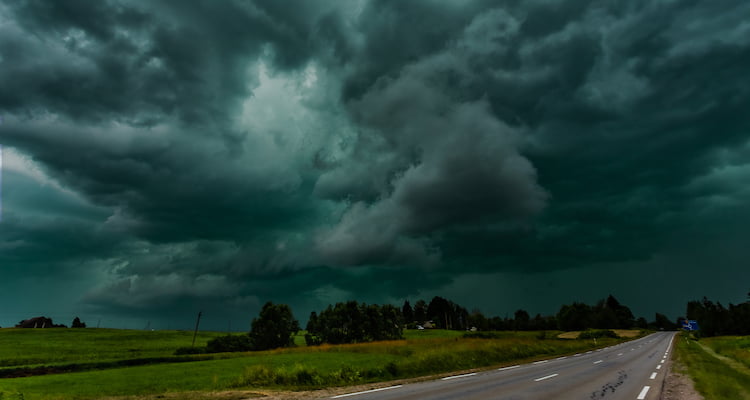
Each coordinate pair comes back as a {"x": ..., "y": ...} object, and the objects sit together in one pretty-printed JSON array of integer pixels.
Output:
[{"x": 196, "y": 155}]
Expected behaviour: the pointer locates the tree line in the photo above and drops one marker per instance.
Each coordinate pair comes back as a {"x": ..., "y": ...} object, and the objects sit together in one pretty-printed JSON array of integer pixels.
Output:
[
  {"x": 354, "y": 322},
  {"x": 607, "y": 313},
  {"x": 714, "y": 319}
]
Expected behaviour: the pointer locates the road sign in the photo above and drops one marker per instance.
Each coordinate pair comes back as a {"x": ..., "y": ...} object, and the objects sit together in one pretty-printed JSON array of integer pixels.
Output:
[{"x": 690, "y": 325}]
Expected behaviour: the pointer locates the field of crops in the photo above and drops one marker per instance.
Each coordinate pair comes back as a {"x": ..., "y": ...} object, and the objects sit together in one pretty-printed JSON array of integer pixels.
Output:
[{"x": 92, "y": 363}]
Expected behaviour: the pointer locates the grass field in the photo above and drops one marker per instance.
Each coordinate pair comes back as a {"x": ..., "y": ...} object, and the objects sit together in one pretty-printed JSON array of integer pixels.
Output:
[
  {"x": 719, "y": 366},
  {"x": 106, "y": 351}
]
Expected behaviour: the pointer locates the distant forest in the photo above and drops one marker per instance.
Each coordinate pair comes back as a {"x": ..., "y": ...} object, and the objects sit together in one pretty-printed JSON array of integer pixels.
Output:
[
  {"x": 607, "y": 313},
  {"x": 716, "y": 320}
]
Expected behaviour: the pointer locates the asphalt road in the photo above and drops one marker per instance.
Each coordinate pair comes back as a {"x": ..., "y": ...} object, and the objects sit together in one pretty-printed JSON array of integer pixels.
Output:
[{"x": 634, "y": 371}]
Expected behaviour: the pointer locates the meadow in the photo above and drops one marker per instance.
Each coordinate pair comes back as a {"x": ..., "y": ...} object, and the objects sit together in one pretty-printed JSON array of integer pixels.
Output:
[
  {"x": 93, "y": 363},
  {"x": 719, "y": 366}
]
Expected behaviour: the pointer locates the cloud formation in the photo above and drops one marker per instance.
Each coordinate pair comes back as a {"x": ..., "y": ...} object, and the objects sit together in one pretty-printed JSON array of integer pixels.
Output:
[{"x": 202, "y": 154}]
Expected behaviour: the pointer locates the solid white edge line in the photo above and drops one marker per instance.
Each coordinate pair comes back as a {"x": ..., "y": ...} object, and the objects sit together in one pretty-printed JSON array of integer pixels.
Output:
[
  {"x": 507, "y": 368},
  {"x": 458, "y": 376},
  {"x": 540, "y": 362},
  {"x": 597, "y": 362},
  {"x": 619, "y": 355},
  {"x": 545, "y": 377},
  {"x": 642, "y": 395},
  {"x": 653, "y": 375},
  {"x": 366, "y": 391}
]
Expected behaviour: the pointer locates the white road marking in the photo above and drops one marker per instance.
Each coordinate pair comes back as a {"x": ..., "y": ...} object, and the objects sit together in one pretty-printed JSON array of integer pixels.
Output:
[
  {"x": 642, "y": 395},
  {"x": 588, "y": 352},
  {"x": 458, "y": 376},
  {"x": 597, "y": 362},
  {"x": 540, "y": 362},
  {"x": 662, "y": 362},
  {"x": 619, "y": 354},
  {"x": 560, "y": 358},
  {"x": 545, "y": 377},
  {"x": 506, "y": 368},
  {"x": 653, "y": 375},
  {"x": 366, "y": 391},
  {"x": 658, "y": 366},
  {"x": 576, "y": 355}
]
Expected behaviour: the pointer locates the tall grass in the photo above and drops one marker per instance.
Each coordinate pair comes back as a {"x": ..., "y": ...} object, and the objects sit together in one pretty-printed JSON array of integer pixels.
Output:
[
  {"x": 714, "y": 378},
  {"x": 410, "y": 358}
]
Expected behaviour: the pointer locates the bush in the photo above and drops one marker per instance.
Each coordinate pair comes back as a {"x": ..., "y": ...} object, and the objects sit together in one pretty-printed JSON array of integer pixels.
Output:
[
  {"x": 189, "y": 350},
  {"x": 597, "y": 333},
  {"x": 229, "y": 343}
]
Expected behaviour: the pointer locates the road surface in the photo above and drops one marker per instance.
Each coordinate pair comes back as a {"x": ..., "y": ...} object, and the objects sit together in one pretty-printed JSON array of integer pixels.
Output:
[{"x": 633, "y": 370}]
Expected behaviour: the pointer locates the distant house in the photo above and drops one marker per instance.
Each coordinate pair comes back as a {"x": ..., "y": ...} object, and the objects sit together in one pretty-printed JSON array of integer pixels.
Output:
[
  {"x": 429, "y": 325},
  {"x": 38, "y": 322}
]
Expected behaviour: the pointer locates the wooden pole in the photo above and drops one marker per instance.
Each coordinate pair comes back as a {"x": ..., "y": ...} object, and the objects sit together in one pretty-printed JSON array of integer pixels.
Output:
[{"x": 197, "y": 322}]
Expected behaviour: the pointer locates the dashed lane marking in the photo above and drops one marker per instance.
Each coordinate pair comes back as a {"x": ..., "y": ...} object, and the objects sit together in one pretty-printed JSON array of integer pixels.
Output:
[
  {"x": 458, "y": 376},
  {"x": 366, "y": 391},
  {"x": 545, "y": 377}
]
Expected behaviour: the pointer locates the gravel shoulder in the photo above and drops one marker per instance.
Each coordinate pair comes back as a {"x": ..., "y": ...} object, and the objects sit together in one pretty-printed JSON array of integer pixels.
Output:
[{"x": 678, "y": 386}]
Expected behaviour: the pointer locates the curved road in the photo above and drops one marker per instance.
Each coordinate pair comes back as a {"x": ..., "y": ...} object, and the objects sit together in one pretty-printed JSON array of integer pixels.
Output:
[{"x": 633, "y": 370}]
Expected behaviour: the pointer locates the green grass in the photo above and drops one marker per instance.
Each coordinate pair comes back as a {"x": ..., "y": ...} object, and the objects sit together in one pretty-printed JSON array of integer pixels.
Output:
[
  {"x": 722, "y": 375},
  {"x": 420, "y": 353},
  {"x": 25, "y": 347}
]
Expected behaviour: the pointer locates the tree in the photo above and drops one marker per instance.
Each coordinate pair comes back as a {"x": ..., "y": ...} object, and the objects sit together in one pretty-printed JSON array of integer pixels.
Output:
[
  {"x": 574, "y": 317},
  {"x": 439, "y": 311},
  {"x": 521, "y": 318},
  {"x": 420, "y": 311},
  {"x": 407, "y": 312},
  {"x": 661, "y": 322},
  {"x": 623, "y": 316},
  {"x": 77, "y": 323},
  {"x": 312, "y": 326},
  {"x": 478, "y": 320},
  {"x": 274, "y": 327},
  {"x": 352, "y": 322}
]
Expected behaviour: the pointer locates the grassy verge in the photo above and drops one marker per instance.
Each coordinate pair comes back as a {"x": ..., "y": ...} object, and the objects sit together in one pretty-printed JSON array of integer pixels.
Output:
[
  {"x": 716, "y": 376},
  {"x": 421, "y": 353}
]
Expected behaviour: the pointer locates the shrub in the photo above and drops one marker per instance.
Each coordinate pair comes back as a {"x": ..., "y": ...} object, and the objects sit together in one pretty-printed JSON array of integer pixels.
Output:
[
  {"x": 189, "y": 350},
  {"x": 229, "y": 343},
  {"x": 597, "y": 333}
]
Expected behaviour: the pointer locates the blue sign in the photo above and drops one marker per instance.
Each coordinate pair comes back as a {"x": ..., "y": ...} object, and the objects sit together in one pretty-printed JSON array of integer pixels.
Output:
[{"x": 690, "y": 325}]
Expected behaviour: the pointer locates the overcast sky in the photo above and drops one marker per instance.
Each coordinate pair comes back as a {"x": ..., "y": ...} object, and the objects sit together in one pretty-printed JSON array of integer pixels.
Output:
[{"x": 162, "y": 158}]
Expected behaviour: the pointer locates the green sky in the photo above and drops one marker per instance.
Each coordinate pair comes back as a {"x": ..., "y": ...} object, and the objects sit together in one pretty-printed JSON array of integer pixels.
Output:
[{"x": 165, "y": 157}]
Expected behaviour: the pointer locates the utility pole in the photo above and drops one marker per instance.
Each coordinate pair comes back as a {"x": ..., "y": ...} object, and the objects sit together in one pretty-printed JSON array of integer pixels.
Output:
[{"x": 197, "y": 322}]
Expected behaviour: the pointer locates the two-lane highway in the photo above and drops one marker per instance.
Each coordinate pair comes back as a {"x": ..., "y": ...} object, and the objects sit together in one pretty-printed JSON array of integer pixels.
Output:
[{"x": 633, "y": 370}]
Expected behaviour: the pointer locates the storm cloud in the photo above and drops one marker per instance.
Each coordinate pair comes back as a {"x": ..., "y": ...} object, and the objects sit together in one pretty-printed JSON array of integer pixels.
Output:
[{"x": 167, "y": 157}]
